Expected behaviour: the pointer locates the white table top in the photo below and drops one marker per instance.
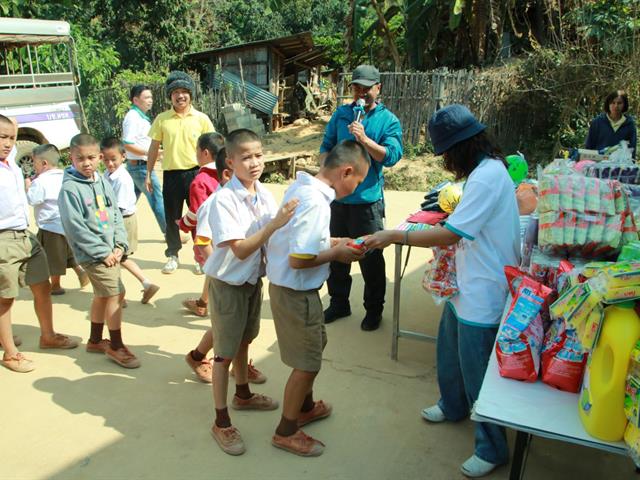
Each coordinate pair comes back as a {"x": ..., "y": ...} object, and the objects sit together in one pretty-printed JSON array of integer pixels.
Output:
[{"x": 534, "y": 408}]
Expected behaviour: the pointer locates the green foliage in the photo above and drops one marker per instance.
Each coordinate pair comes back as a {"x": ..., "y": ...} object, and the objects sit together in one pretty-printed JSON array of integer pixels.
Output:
[{"x": 97, "y": 60}]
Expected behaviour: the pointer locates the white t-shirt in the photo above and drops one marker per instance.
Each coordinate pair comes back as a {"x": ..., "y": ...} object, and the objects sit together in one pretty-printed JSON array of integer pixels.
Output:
[
  {"x": 43, "y": 196},
  {"x": 135, "y": 131},
  {"x": 124, "y": 189},
  {"x": 14, "y": 209},
  {"x": 203, "y": 227},
  {"x": 487, "y": 219},
  {"x": 307, "y": 233},
  {"x": 235, "y": 215}
]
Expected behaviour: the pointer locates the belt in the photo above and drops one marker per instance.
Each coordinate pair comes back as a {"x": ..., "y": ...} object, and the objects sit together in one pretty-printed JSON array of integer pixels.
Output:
[
  {"x": 136, "y": 162},
  {"x": 127, "y": 216},
  {"x": 13, "y": 233}
]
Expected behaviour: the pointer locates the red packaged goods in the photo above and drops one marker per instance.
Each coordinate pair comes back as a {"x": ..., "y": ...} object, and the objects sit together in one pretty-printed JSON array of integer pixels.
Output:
[
  {"x": 440, "y": 276},
  {"x": 520, "y": 337},
  {"x": 563, "y": 358}
]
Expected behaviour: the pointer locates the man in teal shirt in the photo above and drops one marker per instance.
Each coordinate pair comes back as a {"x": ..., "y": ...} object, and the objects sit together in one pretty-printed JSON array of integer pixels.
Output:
[{"x": 362, "y": 212}]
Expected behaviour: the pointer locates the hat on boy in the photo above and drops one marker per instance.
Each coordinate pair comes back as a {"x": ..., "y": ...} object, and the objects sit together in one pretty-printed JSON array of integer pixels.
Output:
[
  {"x": 178, "y": 79},
  {"x": 450, "y": 125},
  {"x": 365, "y": 75}
]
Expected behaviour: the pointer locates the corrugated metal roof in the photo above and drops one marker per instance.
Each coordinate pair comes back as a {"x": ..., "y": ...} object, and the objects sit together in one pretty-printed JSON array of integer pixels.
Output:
[{"x": 257, "y": 98}]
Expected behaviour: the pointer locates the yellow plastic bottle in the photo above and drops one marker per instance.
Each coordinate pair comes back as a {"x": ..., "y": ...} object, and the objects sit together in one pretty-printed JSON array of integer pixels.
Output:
[{"x": 601, "y": 403}]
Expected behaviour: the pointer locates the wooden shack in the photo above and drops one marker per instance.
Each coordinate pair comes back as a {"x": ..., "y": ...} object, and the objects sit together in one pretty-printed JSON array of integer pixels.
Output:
[{"x": 264, "y": 63}]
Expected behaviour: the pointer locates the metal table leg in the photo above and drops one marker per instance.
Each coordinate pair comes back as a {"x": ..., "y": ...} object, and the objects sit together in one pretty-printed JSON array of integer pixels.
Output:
[
  {"x": 396, "y": 302},
  {"x": 523, "y": 440}
]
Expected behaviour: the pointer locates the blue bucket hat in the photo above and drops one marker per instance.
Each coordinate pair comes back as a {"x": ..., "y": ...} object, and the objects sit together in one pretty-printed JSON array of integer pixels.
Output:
[{"x": 450, "y": 125}]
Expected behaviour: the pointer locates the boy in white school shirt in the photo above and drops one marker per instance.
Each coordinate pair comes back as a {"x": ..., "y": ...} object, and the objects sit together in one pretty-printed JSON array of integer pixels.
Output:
[
  {"x": 42, "y": 194},
  {"x": 298, "y": 259},
  {"x": 113, "y": 156},
  {"x": 243, "y": 216},
  {"x": 22, "y": 260}
]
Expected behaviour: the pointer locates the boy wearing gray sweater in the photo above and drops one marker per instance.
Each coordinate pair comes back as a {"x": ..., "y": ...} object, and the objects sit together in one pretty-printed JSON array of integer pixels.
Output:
[{"x": 95, "y": 230}]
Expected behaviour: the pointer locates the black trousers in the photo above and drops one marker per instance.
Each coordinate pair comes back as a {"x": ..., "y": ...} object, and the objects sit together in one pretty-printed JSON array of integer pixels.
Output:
[
  {"x": 175, "y": 191},
  {"x": 354, "y": 221}
]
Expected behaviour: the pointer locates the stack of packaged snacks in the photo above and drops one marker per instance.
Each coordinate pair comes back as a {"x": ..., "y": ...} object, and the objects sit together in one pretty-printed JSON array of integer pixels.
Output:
[
  {"x": 584, "y": 216},
  {"x": 563, "y": 358},
  {"x": 520, "y": 337}
]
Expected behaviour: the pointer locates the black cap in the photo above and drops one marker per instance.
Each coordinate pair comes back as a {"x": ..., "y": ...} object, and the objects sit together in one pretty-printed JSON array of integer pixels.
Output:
[{"x": 365, "y": 75}]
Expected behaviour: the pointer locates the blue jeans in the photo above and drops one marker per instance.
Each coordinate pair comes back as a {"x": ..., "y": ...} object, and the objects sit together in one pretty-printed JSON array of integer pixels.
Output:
[
  {"x": 138, "y": 174},
  {"x": 463, "y": 353}
]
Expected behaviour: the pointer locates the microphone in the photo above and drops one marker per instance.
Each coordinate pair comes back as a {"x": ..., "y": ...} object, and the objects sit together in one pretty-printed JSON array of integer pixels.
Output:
[{"x": 359, "y": 109}]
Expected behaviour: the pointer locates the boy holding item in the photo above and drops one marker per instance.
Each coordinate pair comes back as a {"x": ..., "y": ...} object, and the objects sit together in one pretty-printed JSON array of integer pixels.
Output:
[
  {"x": 298, "y": 264},
  {"x": 22, "y": 260},
  {"x": 243, "y": 216},
  {"x": 42, "y": 194},
  {"x": 113, "y": 155},
  {"x": 196, "y": 358},
  {"x": 93, "y": 224}
]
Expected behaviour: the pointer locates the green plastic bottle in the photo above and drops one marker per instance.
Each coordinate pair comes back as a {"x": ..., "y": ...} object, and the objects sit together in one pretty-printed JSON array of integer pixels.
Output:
[{"x": 601, "y": 403}]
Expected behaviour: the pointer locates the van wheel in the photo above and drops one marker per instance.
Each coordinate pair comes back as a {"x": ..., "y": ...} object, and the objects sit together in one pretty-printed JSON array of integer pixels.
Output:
[{"x": 23, "y": 158}]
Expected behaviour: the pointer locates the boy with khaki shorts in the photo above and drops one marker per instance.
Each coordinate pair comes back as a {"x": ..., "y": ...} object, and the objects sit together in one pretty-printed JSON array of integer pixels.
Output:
[
  {"x": 113, "y": 157},
  {"x": 298, "y": 264},
  {"x": 243, "y": 216},
  {"x": 42, "y": 194},
  {"x": 93, "y": 225},
  {"x": 22, "y": 260}
]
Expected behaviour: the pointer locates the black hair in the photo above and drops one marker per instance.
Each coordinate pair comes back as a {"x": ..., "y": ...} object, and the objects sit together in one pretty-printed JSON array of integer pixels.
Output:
[
  {"x": 82, "y": 140},
  {"x": 612, "y": 96},
  {"x": 4, "y": 119},
  {"x": 112, "y": 142},
  {"x": 464, "y": 156},
  {"x": 221, "y": 161},
  {"x": 137, "y": 90},
  {"x": 240, "y": 136},
  {"x": 212, "y": 142},
  {"x": 49, "y": 152},
  {"x": 348, "y": 152}
]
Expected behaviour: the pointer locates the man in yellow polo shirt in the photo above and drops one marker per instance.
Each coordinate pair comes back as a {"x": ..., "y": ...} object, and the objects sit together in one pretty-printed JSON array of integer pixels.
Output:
[{"x": 177, "y": 130}]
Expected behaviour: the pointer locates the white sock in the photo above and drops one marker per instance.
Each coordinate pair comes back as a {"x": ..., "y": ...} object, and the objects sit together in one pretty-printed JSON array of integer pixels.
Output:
[{"x": 146, "y": 284}]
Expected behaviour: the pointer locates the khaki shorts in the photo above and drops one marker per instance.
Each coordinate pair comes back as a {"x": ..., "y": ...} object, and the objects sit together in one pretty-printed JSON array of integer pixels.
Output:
[
  {"x": 131, "y": 226},
  {"x": 105, "y": 280},
  {"x": 59, "y": 254},
  {"x": 235, "y": 315},
  {"x": 22, "y": 262},
  {"x": 299, "y": 322}
]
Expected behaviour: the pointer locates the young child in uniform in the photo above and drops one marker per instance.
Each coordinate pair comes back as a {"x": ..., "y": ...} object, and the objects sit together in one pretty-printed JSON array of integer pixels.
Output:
[
  {"x": 113, "y": 156},
  {"x": 93, "y": 225},
  {"x": 486, "y": 227},
  {"x": 243, "y": 216},
  {"x": 42, "y": 194},
  {"x": 298, "y": 259}
]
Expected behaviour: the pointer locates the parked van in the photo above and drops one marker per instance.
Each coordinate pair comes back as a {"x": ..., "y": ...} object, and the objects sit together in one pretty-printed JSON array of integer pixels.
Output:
[{"x": 39, "y": 82}]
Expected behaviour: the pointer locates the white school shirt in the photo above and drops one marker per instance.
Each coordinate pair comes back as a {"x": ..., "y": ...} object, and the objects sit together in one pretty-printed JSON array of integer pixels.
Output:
[
  {"x": 203, "y": 227},
  {"x": 235, "y": 215},
  {"x": 307, "y": 233},
  {"x": 487, "y": 219},
  {"x": 43, "y": 197},
  {"x": 14, "y": 209},
  {"x": 135, "y": 131},
  {"x": 124, "y": 189}
]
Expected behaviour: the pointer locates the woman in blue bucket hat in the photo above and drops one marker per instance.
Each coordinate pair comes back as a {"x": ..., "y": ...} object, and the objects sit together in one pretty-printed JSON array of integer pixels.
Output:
[{"x": 485, "y": 227}]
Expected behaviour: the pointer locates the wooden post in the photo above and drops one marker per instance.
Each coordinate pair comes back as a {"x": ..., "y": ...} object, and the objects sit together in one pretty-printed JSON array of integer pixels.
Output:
[{"x": 244, "y": 89}]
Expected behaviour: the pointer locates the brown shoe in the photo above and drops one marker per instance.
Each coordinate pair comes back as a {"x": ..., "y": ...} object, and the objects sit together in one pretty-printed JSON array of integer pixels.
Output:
[
  {"x": 83, "y": 278},
  {"x": 100, "y": 347},
  {"x": 299, "y": 443},
  {"x": 319, "y": 411},
  {"x": 257, "y": 401},
  {"x": 253, "y": 374},
  {"x": 58, "y": 291},
  {"x": 58, "y": 341},
  {"x": 229, "y": 439},
  {"x": 191, "y": 304},
  {"x": 18, "y": 363},
  {"x": 202, "y": 369},
  {"x": 123, "y": 357},
  {"x": 149, "y": 292}
]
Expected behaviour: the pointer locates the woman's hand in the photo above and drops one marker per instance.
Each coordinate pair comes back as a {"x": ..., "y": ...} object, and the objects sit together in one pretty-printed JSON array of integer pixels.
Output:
[{"x": 381, "y": 239}]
